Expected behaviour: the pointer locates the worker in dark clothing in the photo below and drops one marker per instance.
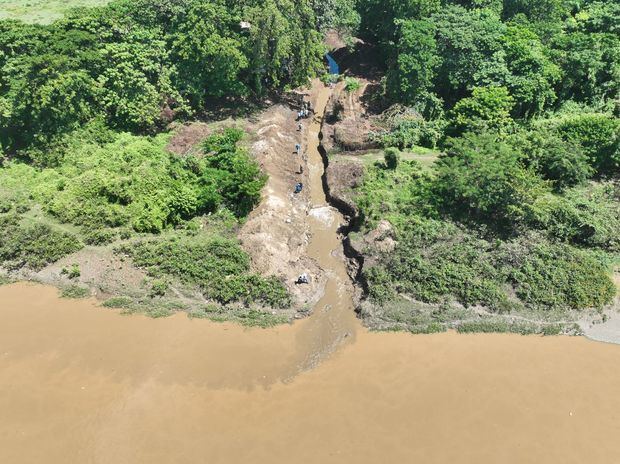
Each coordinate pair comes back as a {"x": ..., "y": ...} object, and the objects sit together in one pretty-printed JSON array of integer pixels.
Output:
[{"x": 298, "y": 187}]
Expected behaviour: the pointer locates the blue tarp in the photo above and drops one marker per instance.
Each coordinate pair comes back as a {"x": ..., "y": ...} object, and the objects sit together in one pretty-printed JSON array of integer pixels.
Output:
[{"x": 333, "y": 66}]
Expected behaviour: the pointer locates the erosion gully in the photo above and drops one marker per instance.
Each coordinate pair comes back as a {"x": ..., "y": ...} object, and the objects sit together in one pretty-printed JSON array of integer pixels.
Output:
[{"x": 82, "y": 384}]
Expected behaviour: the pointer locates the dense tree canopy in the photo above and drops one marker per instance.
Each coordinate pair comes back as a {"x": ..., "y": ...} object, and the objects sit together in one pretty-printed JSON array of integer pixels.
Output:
[{"x": 139, "y": 63}]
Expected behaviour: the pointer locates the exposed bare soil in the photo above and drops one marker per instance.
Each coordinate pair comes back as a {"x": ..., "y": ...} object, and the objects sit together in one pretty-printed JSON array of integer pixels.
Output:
[{"x": 277, "y": 232}]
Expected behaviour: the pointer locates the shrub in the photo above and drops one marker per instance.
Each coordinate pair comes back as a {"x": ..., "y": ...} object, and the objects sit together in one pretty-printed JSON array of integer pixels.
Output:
[
  {"x": 217, "y": 265},
  {"x": 599, "y": 136},
  {"x": 391, "y": 157},
  {"x": 351, "y": 84},
  {"x": 482, "y": 179},
  {"x": 410, "y": 132},
  {"x": 583, "y": 216},
  {"x": 560, "y": 161},
  {"x": 73, "y": 272},
  {"x": 33, "y": 246},
  {"x": 75, "y": 291},
  {"x": 561, "y": 276},
  {"x": 99, "y": 237},
  {"x": 158, "y": 288},
  {"x": 118, "y": 302}
]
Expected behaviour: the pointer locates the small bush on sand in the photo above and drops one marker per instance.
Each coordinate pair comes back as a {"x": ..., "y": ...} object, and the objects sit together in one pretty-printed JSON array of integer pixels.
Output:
[{"x": 75, "y": 291}]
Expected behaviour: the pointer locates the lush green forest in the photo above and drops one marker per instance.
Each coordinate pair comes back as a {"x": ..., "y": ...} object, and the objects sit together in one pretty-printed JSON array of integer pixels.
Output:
[{"x": 522, "y": 209}]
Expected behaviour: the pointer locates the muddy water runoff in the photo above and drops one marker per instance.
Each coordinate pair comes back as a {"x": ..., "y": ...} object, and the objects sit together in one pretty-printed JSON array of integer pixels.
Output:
[{"x": 80, "y": 384}]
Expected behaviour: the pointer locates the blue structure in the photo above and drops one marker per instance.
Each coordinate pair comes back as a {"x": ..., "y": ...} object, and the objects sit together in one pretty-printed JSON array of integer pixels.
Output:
[{"x": 333, "y": 66}]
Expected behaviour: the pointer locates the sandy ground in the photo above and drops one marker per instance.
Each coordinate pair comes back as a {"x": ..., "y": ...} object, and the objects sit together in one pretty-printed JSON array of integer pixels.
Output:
[{"x": 277, "y": 232}]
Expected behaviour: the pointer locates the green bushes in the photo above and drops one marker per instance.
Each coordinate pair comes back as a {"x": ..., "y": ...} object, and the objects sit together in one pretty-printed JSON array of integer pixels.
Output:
[
  {"x": 483, "y": 179},
  {"x": 351, "y": 84},
  {"x": 559, "y": 276},
  {"x": 408, "y": 132},
  {"x": 585, "y": 216},
  {"x": 32, "y": 246},
  {"x": 599, "y": 137},
  {"x": 530, "y": 263},
  {"x": 391, "y": 157},
  {"x": 218, "y": 266},
  {"x": 228, "y": 172},
  {"x": 133, "y": 182},
  {"x": 75, "y": 292}
]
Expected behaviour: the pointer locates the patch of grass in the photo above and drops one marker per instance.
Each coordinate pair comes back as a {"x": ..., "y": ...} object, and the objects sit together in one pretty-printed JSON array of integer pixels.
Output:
[
  {"x": 259, "y": 318},
  {"x": 157, "y": 313},
  {"x": 72, "y": 273},
  {"x": 5, "y": 280},
  {"x": 75, "y": 292},
  {"x": 119, "y": 302},
  {"x": 351, "y": 84},
  {"x": 42, "y": 11},
  {"x": 217, "y": 265},
  {"x": 33, "y": 246},
  {"x": 248, "y": 317},
  {"x": 433, "y": 327}
]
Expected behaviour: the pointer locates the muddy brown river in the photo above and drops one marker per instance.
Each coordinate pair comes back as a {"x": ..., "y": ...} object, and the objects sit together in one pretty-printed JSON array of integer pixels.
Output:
[{"x": 83, "y": 384}]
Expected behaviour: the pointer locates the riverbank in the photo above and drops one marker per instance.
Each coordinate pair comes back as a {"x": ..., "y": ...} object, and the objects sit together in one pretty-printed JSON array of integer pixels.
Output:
[
  {"x": 87, "y": 385},
  {"x": 431, "y": 274}
]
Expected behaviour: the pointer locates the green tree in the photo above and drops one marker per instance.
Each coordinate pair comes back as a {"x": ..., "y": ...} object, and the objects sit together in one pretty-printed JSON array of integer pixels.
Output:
[
  {"x": 411, "y": 78},
  {"x": 378, "y": 16},
  {"x": 283, "y": 46},
  {"x": 561, "y": 161},
  {"x": 391, "y": 157},
  {"x": 599, "y": 137},
  {"x": 532, "y": 73},
  {"x": 208, "y": 56},
  {"x": 488, "y": 109},
  {"x": 480, "y": 178},
  {"x": 470, "y": 45},
  {"x": 340, "y": 15}
]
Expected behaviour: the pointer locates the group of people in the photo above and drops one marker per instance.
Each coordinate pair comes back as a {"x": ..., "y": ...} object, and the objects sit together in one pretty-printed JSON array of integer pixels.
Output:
[{"x": 304, "y": 112}]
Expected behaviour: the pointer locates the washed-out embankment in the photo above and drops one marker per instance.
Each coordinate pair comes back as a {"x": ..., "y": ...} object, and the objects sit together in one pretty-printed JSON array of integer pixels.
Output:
[{"x": 355, "y": 259}]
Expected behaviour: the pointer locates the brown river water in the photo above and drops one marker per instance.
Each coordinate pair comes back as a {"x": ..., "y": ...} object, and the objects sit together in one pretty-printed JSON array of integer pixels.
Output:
[{"x": 82, "y": 384}]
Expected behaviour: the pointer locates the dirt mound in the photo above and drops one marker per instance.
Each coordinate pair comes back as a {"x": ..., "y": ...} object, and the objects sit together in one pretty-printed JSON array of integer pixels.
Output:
[
  {"x": 100, "y": 269},
  {"x": 342, "y": 177},
  {"x": 347, "y": 122},
  {"x": 277, "y": 232}
]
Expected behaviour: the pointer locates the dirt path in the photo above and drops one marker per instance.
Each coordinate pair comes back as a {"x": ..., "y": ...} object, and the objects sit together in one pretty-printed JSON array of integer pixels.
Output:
[
  {"x": 277, "y": 232},
  {"x": 290, "y": 234}
]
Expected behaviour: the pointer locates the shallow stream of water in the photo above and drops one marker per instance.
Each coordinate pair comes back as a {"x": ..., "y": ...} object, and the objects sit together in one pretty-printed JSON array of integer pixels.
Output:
[{"x": 82, "y": 384}]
